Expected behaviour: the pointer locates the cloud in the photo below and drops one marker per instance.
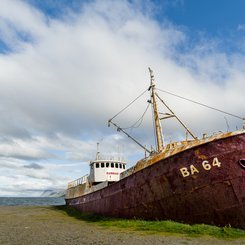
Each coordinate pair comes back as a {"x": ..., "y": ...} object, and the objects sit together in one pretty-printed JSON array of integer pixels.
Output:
[
  {"x": 18, "y": 28},
  {"x": 241, "y": 27},
  {"x": 63, "y": 78},
  {"x": 33, "y": 166},
  {"x": 20, "y": 149}
]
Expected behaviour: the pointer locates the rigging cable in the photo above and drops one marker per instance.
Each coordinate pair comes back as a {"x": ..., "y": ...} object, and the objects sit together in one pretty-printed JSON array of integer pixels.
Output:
[
  {"x": 140, "y": 120},
  {"x": 121, "y": 129},
  {"x": 198, "y": 103},
  {"x": 128, "y": 105}
]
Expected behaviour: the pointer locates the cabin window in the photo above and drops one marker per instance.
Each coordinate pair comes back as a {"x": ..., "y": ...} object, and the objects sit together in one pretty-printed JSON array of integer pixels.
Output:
[
  {"x": 123, "y": 166},
  {"x": 116, "y": 165},
  {"x": 97, "y": 165},
  {"x": 107, "y": 165},
  {"x": 120, "y": 165},
  {"x": 112, "y": 164},
  {"x": 102, "y": 164}
]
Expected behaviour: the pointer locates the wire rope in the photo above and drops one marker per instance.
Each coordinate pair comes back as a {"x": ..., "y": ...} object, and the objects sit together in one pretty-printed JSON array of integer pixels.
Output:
[
  {"x": 140, "y": 120},
  {"x": 198, "y": 103},
  {"x": 128, "y": 105}
]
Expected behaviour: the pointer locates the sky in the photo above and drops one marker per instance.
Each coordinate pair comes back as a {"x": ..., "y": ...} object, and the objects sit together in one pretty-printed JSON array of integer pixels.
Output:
[{"x": 67, "y": 66}]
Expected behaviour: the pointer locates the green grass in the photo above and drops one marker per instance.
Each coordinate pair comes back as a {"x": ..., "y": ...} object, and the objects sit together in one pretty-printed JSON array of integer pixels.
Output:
[{"x": 156, "y": 227}]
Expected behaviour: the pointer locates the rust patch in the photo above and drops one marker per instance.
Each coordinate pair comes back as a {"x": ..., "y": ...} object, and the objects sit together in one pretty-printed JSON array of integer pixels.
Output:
[
  {"x": 199, "y": 155},
  {"x": 154, "y": 188}
]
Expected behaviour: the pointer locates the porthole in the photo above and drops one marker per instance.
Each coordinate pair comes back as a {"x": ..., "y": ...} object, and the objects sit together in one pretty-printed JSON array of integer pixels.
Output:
[{"x": 242, "y": 163}]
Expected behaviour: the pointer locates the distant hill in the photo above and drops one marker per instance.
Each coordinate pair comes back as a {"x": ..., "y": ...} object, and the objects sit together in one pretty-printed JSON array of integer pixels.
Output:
[{"x": 53, "y": 193}]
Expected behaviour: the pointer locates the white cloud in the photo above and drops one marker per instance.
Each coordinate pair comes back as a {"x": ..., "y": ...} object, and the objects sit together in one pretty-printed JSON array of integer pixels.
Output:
[
  {"x": 241, "y": 27},
  {"x": 58, "y": 90},
  {"x": 21, "y": 20}
]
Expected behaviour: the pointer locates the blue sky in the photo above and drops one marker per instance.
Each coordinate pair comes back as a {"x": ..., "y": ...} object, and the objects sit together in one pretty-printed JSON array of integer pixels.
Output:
[
  {"x": 66, "y": 67},
  {"x": 209, "y": 16},
  {"x": 221, "y": 19},
  {"x": 213, "y": 17}
]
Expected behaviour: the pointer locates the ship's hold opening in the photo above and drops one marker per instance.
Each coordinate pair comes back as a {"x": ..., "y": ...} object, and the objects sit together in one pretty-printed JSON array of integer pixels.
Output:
[{"x": 242, "y": 163}]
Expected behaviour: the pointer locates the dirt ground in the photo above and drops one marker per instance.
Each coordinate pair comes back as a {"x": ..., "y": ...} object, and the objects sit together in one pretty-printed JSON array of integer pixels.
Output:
[{"x": 47, "y": 225}]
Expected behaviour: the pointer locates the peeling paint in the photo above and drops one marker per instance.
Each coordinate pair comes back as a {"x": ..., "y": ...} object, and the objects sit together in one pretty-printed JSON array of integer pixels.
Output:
[{"x": 213, "y": 192}]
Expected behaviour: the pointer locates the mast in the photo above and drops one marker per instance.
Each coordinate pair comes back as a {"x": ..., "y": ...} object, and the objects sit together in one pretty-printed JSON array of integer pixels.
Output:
[
  {"x": 156, "y": 118},
  {"x": 157, "y": 123}
]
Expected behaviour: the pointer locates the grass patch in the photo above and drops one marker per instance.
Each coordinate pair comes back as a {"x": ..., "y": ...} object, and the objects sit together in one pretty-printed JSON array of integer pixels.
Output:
[{"x": 156, "y": 227}]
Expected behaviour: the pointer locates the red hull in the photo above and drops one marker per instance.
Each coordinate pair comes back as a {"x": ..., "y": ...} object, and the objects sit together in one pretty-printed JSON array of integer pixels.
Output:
[{"x": 160, "y": 191}]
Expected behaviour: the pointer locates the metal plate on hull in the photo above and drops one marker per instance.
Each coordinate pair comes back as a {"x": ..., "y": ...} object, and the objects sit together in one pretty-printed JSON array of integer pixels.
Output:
[{"x": 204, "y": 184}]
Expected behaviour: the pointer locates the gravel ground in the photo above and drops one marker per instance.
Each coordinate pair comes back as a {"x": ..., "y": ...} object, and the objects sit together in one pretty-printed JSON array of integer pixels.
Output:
[{"x": 46, "y": 225}]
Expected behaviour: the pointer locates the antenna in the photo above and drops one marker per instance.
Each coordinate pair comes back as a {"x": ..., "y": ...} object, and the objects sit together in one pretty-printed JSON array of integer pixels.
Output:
[
  {"x": 98, "y": 153},
  {"x": 227, "y": 124}
]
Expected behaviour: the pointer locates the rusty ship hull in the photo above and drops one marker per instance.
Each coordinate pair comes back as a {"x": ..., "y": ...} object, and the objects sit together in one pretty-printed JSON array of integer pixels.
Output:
[{"x": 201, "y": 183}]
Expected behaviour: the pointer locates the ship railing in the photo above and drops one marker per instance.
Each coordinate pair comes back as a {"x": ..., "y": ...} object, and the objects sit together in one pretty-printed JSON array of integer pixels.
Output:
[
  {"x": 111, "y": 158},
  {"x": 77, "y": 182},
  {"x": 127, "y": 172}
]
